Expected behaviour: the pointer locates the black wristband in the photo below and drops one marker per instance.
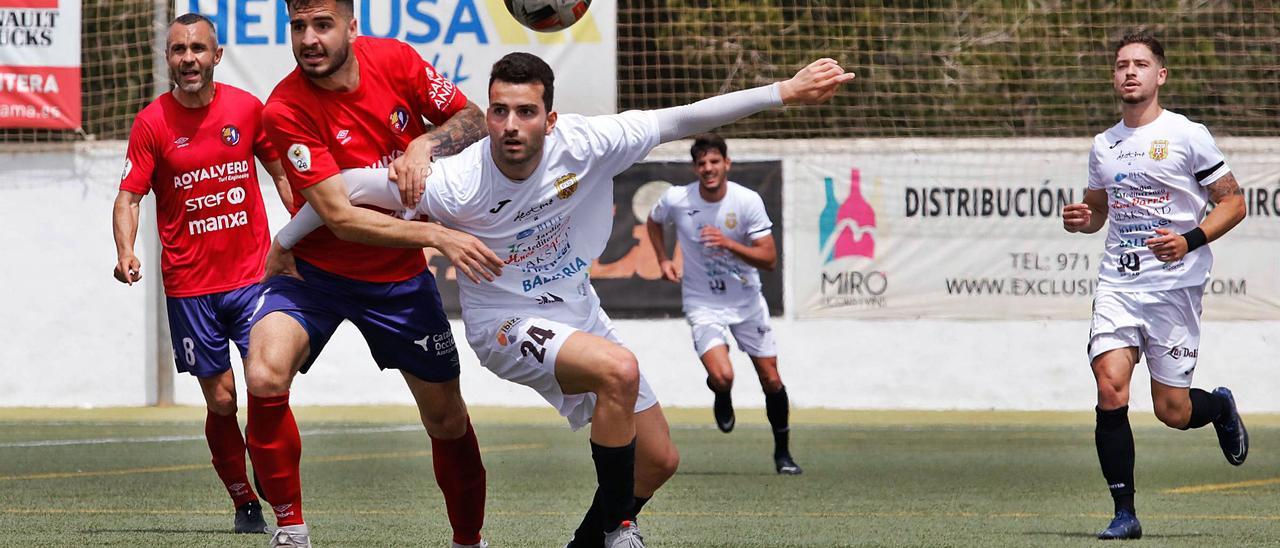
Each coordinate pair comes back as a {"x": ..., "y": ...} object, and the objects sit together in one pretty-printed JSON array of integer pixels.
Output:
[{"x": 1195, "y": 238}]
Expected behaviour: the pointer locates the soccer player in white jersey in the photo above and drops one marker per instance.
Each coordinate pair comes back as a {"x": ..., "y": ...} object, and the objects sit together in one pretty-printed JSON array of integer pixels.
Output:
[
  {"x": 1153, "y": 175},
  {"x": 725, "y": 235},
  {"x": 538, "y": 191}
]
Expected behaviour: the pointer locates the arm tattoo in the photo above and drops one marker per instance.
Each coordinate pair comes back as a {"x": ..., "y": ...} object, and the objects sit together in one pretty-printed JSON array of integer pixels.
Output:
[
  {"x": 458, "y": 132},
  {"x": 1222, "y": 188}
]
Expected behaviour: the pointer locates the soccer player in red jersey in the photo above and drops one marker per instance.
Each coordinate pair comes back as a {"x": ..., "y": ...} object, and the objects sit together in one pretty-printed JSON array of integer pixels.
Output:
[
  {"x": 194, "y": 147},
  {"x": 361, "y": 102}
]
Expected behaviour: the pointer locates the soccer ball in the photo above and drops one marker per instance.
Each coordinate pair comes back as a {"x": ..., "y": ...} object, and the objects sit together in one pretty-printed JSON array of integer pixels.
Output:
[{"x": 547, "y": 15}]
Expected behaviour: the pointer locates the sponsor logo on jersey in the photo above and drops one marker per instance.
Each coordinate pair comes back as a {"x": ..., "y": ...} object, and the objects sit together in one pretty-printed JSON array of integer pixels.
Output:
[
  {"x": 128, "y": 166},
  {"x": 566, "y": 185},
  {"x": 300, "y": 157},
  {"x": 227, "y": 172},
  {"x": 399, "y": 120},
  {"x": 1116, "y": 144},
  {"x": 442, "y": 90},
  {"x": 505, "y": 329},
  {"x": 1159, "y": 149},
  {"x": 499, "y": 207},
  {"x": 230, "y": 135},
  {"x": 233, "y": 196},
  {"x": 217, "y": 223},
  {"x": 693, "y": 212},
  {"x": 564, "y": 273},
  {"x": 533, "y": 210},
  {"x": 343, "y": 137},
  {"x": 181, "y": 142},
  {"x": 731, "y": 220}
]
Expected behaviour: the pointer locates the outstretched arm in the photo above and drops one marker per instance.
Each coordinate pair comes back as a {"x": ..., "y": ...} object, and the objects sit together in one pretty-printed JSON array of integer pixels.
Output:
[{"x": 814, "y": 84}]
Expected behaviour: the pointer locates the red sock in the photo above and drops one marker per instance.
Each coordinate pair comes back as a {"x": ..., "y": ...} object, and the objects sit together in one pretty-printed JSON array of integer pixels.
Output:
[
  {"x": 460, "y": 475},
  {"x": 227, "y": 447},
  {"x": 276, "y": 449}
]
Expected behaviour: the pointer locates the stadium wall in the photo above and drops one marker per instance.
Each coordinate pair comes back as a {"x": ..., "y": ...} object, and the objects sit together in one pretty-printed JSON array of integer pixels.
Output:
[{"x": 75, "y": 337}]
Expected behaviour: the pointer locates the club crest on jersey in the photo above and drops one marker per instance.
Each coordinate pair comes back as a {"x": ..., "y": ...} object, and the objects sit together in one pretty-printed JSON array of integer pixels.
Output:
[
  {"x": 505, "y": 328},
  {"x": 730, "y": 220},
  {"x": 399, "y": 120},
  {"x": 1159, "y": 149},
  {"x": 566, "y": 185},
  {"x": 300, "y": 157},
  {"x": 230, "y": 135}
]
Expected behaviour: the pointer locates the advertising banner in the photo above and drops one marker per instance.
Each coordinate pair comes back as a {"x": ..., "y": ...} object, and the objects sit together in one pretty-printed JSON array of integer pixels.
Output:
[
  {"x": 972, "y": 229},
  {"x": 626, "y": 275},
  {"x": 461, "y": 39},
  {"x": 40, "y": 64}
]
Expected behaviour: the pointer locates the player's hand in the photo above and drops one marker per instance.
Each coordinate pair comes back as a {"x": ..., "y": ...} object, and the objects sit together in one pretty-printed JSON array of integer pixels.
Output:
[
  {"x": 669, "y": 271},
  {"x": 712, "y": 237},
  {"x": 128, "y": 269},
  {"x": 410, "y": 172},
  {"x": 814, "y": 84},
  {"x": 1076, "y": 216},
  {"x": 280, "y": 263},
  {"x": 468, "y": 254},
  {"x": 1167, "y": 246}
]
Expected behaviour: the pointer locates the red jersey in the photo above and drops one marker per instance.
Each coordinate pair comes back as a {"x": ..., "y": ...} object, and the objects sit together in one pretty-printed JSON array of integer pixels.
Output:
[
  {"x": 320, "y": 132},
  {"x": 199, "y": 162}
]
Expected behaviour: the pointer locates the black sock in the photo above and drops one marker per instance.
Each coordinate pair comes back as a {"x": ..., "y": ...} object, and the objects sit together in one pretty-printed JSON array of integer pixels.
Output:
[
  {"x": 616, "y": 482},
  {"x": 777, "y": 408},
  {"x": 636, "y": 507},
  {"x": 1205, "y": 408},
  {"x": 590, "y": 533},
  {"x": 1114, "y": 439}
]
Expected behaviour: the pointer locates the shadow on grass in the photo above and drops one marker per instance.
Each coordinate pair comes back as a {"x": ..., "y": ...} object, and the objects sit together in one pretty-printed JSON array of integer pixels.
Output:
[{"x": 1094, "y": 536}]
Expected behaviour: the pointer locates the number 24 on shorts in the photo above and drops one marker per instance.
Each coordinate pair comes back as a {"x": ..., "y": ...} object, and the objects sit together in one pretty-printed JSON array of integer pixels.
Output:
[{"x": 540, "y": 336}]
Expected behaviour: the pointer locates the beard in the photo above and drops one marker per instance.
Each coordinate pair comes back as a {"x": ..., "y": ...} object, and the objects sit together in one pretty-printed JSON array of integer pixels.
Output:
[
  {"x": 337, "y": 59},
  {"x": 206, "y": 76}
]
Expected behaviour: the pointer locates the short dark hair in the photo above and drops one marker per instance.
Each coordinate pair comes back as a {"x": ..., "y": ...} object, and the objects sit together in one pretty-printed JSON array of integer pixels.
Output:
[
  {"x": 707, "y": 142},
  {"x": 1144, "y": 37},
  {"x": 193, "y": 18},
  {"x": 525, "y": 68},
  {"x": 347, "y": 7}
]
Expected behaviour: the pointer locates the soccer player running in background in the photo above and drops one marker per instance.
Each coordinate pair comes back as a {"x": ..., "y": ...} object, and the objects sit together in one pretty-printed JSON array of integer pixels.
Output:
[
  {"x": 195, "y": 148},
  {"x": 726, "y": 236},
  {"x": 356, "y": 101},
  {"x": 1153, "y": 174},
  {"x": 539, "y": 192}
]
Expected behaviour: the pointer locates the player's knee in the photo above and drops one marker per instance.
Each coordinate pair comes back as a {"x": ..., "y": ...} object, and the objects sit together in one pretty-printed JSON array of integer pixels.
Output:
[
  {"x": 720, "y": 381},
  {"x": 621, "y": 373},
  {"x": 444, "y": 421},
  {"x": 771, "y": 383},
  {"x": 263, "y": 378},
  {"x": 1112, "y": 395},
  {"x": 222, "y": 403}
]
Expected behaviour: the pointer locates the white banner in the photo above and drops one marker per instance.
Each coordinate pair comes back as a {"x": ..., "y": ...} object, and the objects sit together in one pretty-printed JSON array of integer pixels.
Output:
[
  {"x": 462, "y": 39},
  {"x": 972, "y": 229},
  {"x": 40, "y": 63}
]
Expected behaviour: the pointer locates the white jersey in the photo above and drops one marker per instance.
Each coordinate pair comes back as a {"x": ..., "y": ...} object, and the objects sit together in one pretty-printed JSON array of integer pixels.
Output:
[
  {"x": 715, "y": 277},
  {"x": 548, "y": 228},
  {"x": 1155, "y": 177}
]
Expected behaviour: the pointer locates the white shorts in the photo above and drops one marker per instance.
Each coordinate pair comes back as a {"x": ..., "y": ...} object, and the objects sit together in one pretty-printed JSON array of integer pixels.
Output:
[
  {"x": 1163, "y": 325},
  {"x": 749, "y": 324},
  {"x": 523, "y": 350}
]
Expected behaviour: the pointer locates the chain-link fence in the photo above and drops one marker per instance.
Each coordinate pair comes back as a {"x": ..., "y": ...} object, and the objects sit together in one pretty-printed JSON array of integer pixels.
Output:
[{"x": 925, "y": 68}]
